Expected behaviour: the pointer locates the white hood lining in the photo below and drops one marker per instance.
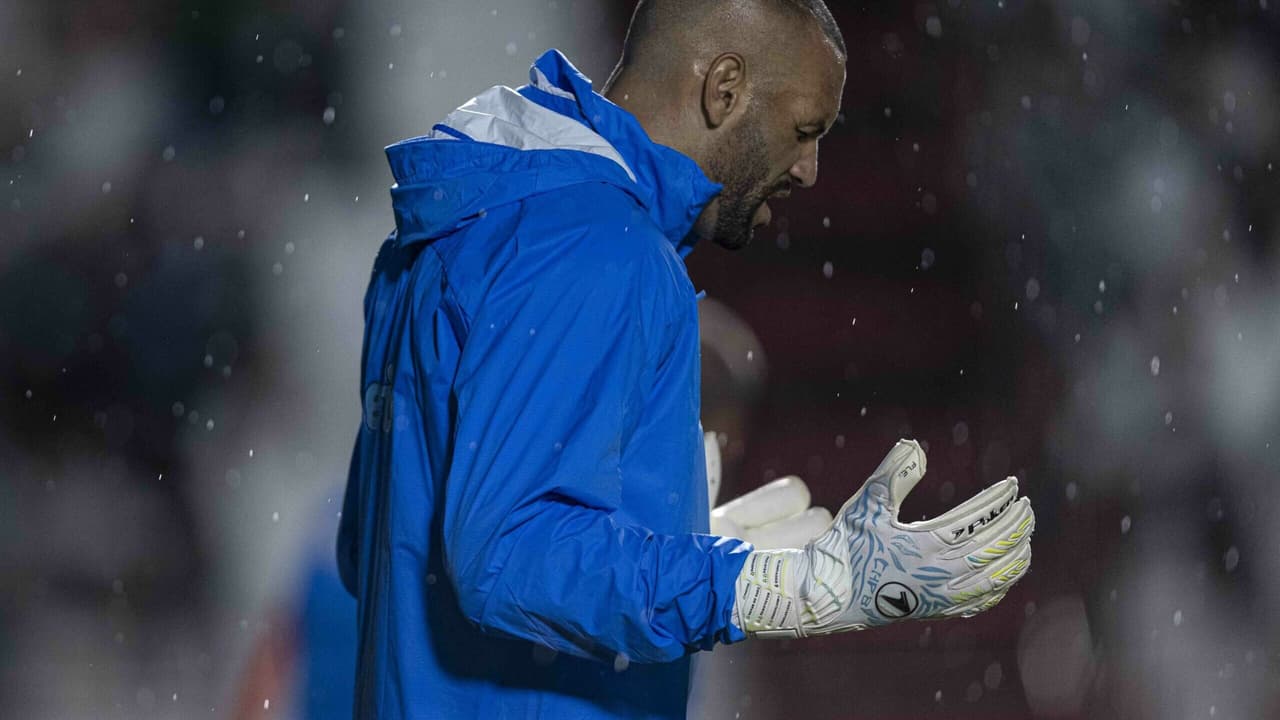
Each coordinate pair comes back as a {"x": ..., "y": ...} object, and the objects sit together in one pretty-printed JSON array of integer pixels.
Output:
[{"x": 503, "y": 116}]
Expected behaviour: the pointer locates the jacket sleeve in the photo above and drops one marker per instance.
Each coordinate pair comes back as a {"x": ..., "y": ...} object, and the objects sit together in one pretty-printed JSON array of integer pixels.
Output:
[
  {"x": 549, "y": 381},
  {"x": 347, "y": 544}
]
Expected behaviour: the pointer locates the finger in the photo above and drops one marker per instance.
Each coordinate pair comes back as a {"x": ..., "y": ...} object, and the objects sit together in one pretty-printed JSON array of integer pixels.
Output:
[
  {"x": 962, "y": 523},
  {"x": 1017, "y": 523},
  {"x": 725, "y": 527},
  {"x": 1013, "y": 570},
  {"x": 975, "y": 606},
  {"x": 900, "y": 470},
  {"x": 711, "y": 451},
  {"x": 995, "y": 577},
  {"x": 793, "y": 532},
  {"x": 779, "y": 499}
]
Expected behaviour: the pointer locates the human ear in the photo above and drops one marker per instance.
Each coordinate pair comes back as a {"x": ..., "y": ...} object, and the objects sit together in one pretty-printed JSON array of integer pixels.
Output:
[{"x": 723, "y": 88}]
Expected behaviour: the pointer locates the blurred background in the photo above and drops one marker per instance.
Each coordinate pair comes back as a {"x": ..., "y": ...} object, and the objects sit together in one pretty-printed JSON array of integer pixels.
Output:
[{"x": 1044, "y": 242}]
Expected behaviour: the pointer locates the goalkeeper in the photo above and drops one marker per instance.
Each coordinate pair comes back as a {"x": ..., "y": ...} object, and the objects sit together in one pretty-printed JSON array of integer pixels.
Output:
[{"x": 525, "y": 526}]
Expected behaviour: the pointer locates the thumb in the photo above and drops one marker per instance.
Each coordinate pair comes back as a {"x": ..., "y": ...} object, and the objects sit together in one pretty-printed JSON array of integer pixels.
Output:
[{"x": 899, "y": 472}]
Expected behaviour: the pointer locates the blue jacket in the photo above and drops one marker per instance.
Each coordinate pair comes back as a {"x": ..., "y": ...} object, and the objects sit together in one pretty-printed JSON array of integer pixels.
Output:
[{"x": 525, "y": 517}]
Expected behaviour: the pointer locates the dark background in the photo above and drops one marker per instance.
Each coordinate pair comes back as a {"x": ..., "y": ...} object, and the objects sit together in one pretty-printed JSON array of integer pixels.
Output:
[{"x": 1043, "y": 242}]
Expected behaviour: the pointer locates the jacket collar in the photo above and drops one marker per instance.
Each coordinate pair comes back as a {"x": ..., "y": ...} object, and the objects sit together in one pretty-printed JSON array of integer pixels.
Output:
[{"x": 669, "y": 184}]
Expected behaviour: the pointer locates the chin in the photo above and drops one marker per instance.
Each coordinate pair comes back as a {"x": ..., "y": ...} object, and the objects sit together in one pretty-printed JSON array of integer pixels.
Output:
[{"x": 736, "y": 242}]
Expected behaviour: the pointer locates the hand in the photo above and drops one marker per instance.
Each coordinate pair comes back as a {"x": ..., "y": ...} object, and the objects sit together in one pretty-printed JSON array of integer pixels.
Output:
[
  {"x": 776, "y": 515},
  {"x": 868, "y": 569}
]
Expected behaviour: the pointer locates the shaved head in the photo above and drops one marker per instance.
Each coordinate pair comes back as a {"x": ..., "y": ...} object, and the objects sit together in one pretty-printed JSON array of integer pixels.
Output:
[
  {"x": 745, "y": 88},
  {"x": 665, "y": 33}
]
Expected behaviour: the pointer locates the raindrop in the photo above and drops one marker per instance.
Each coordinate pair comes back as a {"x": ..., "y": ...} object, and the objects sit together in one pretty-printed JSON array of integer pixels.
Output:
[
  {"x": 1231, "y": 558},
  {"x": 1071, "y": 490},
  {"x": 275, "y": 517},
  {"x": 328, "y": 116},
  {"x": 106, "y": 187},
  {"x": 1155, "y": 366},
  {"x": 927, "y": 259},
  {"x": 1177, "y": 618},
  {"x": 1033, "y": 289},
  {"x": 828, "y": 269},
  {"x": 198, "y": 243},
  {"x": 168, "y": 153},
  {"x": 993, "y": 675},
  {"x": 974, "y": 692},
  {"x": 1125, "y": 524},
  {"x": 1168, "y": 418}
]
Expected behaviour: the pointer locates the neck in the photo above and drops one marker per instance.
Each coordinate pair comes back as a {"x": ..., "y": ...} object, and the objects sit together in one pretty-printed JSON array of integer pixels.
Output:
[{"x": 653, "y": 105}]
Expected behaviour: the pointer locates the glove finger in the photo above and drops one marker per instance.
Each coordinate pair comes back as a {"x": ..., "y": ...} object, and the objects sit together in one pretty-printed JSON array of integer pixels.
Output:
[
  {"x": 975, "y": 606},
  {"x": 895, "y": 477},
  {"x": 711, "y": 451},
  {"x": 961, "y": 523},
  {"x": 793, "y": 532},
  {"x": 997, "y": 539},
  {"x": 1013, "y": 570},
  {"x": 768, "y": 503},
  {"x": 725, "y": 527},
  {"x": 996, "y": 577}
]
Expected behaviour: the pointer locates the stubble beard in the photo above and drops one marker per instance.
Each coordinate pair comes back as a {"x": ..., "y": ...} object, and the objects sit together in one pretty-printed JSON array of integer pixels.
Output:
[{"x": 740, "y": 167}]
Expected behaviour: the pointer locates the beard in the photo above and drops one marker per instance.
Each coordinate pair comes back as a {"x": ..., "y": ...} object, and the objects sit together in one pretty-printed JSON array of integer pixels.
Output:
[{"x": 740, "y": 166}]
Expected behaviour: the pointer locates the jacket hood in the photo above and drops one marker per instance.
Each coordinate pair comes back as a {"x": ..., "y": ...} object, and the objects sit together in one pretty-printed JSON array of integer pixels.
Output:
[{"x": 505, "y": 145}]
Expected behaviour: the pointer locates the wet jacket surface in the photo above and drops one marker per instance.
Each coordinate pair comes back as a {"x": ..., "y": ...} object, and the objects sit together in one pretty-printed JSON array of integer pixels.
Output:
[{"x": 525, "y": 516}]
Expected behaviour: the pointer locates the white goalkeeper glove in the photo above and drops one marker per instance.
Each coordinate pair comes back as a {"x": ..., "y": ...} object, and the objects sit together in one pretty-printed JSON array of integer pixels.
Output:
[
  {"x": 776, "y": 515},
  {"x": 868, "y": 569}
]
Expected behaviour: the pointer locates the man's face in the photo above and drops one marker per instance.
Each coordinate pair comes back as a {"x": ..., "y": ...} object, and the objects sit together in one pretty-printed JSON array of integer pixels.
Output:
[{"x": 774, "y": 147}]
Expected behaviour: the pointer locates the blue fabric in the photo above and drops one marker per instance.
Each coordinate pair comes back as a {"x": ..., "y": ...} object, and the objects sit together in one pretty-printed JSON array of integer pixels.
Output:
[
  {"x": 326, "y": 652},
  {"x": 525, "y": 516}
]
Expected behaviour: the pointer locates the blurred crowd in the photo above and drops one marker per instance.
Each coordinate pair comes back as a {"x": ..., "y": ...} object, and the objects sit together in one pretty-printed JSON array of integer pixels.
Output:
[{"x": 1043, "y": 242}]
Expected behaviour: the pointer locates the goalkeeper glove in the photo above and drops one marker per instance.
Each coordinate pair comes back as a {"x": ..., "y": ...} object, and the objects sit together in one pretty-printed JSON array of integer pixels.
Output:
[
  {"x": 868, "y": 569},
  {"x": 776, "y": 515}
]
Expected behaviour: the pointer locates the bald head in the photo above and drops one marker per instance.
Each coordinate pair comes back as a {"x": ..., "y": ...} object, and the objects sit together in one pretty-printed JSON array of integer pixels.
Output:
[
  {"x": 666, "y": 35},
  {"x": 745, "y": 88}
]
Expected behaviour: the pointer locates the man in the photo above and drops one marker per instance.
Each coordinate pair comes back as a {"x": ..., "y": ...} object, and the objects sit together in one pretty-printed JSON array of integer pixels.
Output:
[{"x": 523, "y": 526}]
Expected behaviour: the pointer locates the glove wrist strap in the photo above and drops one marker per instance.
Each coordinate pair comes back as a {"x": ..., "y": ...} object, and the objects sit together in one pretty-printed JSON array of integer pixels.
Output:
[{"x": 768, "y": 603}]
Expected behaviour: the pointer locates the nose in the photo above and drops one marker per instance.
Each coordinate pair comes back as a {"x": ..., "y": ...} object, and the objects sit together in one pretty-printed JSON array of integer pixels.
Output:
[{"x": 805, "y": 170}]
